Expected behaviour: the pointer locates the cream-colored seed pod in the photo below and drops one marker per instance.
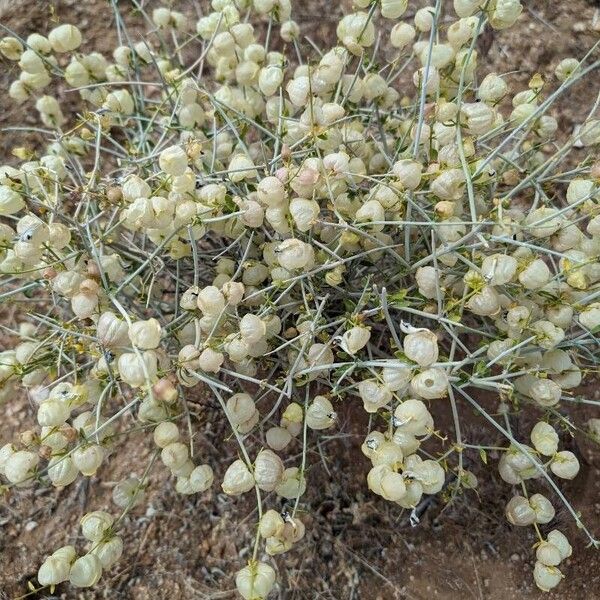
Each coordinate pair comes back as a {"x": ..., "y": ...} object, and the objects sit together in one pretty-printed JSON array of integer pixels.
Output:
[
  {"x": 544, "y": 438},
  {"x": 385, "y": 482},
  {"x": 431, "y": 475},
  {"x": 542, "y": 507},
  {"x": 295, "y": 254},
  {"x": 201, "y": 478},
  {"x": 407, "y": 442},
  {"x": 546, "y": 577},
  {"x": 387, "y": 453},
  {"x": 548, "y": 554},
  {"x": 565, "y": 465},
  {"x": 111, "y": 331},
  {"x": 65, "y": 38},
  {"x": 20, "y": 466},
  {"x": 499, "y": 269},
  {"x": 535, "y": 275},
  {"x": 560, "y": 541},
  {"x": 145, "y": 335},
  {"x": 519, "y": 512},
  {"x": 292, "y": 485},
  {"x": 252, "y": 329},
  {"x": 165, "y": 433},
  {"x": 88, "y": 459},
  {"x": 241, "y": 408},
  {"x": 53, "y": 413},
  {"x": 138, "y": 369},
  {"x": 108, "y": 551},
  {"x": 173, "y": 161},
  {"x": 355, "y": 339},
  {"x": 268, "y": 470},
  {"x": 174, "y": 455},
  {"x": 53, "y": 571},
  {"x": 373, "y": 395},
  {"x": 430, "y": 384},
  {"x": 238, "y": 479},
  {"x": 271, "y": 524},
  {"x": 421, "y": 347},
  {"x": 94, "y": 525},
  {"x": 210, "y": 360},
  {"x": 128, "y": 493},
  {"x": 278, "y": 438},
  {"x": 255, "y": 581},
  {"x": 85, "y": 571},
  {"x": 413, "y": 417},
  {"x": 62, "y": 471},
  {"x": 320, "y": 413}
]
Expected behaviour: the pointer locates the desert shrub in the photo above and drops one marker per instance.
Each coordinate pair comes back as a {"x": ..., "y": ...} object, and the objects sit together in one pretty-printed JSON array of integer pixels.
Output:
[{"x": 289, "y": 229}]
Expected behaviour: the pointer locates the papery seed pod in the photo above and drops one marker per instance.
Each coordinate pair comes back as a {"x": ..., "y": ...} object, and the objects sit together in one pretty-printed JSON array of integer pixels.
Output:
[
  {"x": 54, "y": 570},
  {"x": 373, "y": 440},
  {"x": 88, "y": 459},
  {"x": 255, "y": 581},
  {"x": 544, "y": 438},
  {"x": 268, "y": 470},
  {"x": 407, "y": 442},
  {"x": 62, "y": 471},
  {"x": 535, "y": 275},
  {"x": 211, "y": 300},
  {"x": 201, "y": 478},
  {"x": 373, "y": 395},
  {"x": 401, "y": 35},
  {"x": 542, "y": 507},
  {"x": 546, "y": 577},
  {"x": 393, "y": 9},
  {"x": 174, "y": 455},
  {"x": 85, "y": 571},
  {"x": 238, "y": 479},
  {"x": 292, "y": 485},
  {"x": 565, "y": 465},
  {"x": 173, "y": 161},
  {"x": 252, "y": 329},
  {"x": 519, "y": 511},
  {"x": 128, "y": 493},
  {"x": 165, "y": 433},
  {"x": 20, "y": 466},
  {"x": 11, "y": 48},
  {"x": 94, "y": 525},
  {"x": 548, "y": 554},
  {"x": 65, "y": 38},
  {"x": 414, "y": 493},
  {"x": 210, "y": 361},
  {"x": 430, "y": 384},
  {"x": 52, "y": 413},
  {"x": 111, "y": 331},
  {"x": 499, "y": 269},
  {"x": 559, "y": 540},
  {"x": 271, "y": 524},
  {"x": 145, "y": 335},
  {"x": 413, "y": 417},
  {"x": 240, "y": 408},
  {"x": 138, "y": 369},
  {"x": 320, "y": 413},
  {"x": 295, "y": 254},
  {"x": 355, "y": 339},
  {"x": 278, "y": 438},
  {"x": 431, "y": 475},
  {"x": 421, "y": 347},
  {"x": 387, "y": 453},
  {"x": 108, "y": 551}
]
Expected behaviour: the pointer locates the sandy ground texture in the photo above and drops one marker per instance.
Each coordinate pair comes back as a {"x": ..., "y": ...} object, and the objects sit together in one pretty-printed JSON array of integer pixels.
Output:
[{"x": 357, "y": 546}]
